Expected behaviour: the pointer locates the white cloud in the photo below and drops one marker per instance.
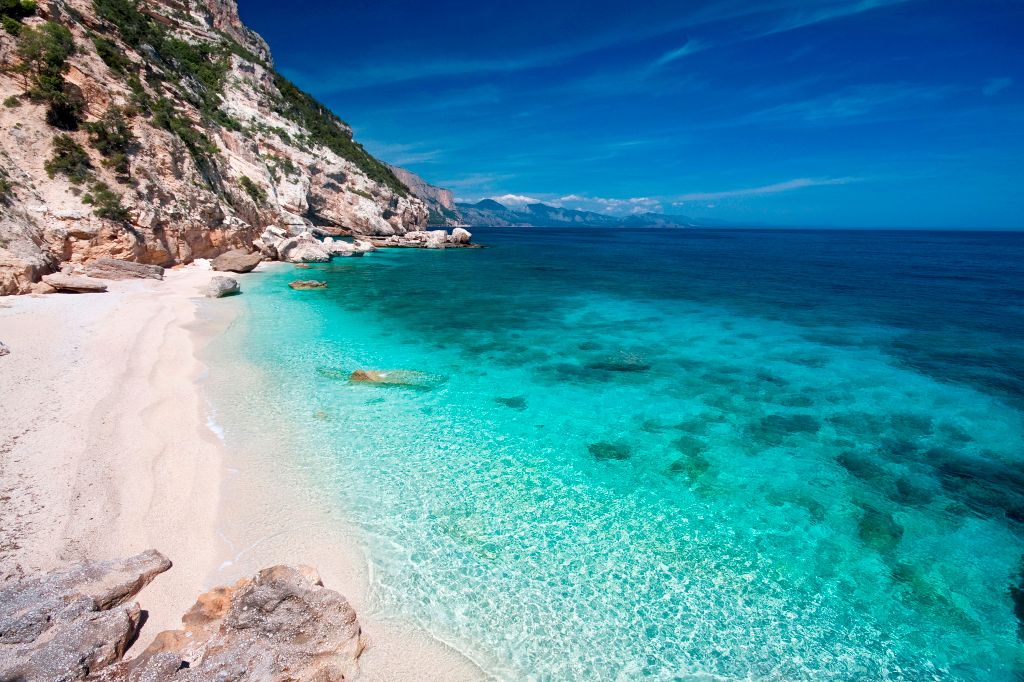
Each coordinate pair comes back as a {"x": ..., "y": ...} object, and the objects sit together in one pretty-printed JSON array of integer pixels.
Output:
[
  {"x": 996, "y": 85},
  {"x": 516, "y": 200},
  {"x": 787, "y": 186}
]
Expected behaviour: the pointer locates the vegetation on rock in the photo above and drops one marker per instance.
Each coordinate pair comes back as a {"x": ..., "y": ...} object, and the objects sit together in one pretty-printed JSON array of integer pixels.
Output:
[
  {"x": 69, "y": 159},
  {"x": 255, "y": 192},
  {"x": 112, "y": 137},
  {"x": 44, "y": 52}
]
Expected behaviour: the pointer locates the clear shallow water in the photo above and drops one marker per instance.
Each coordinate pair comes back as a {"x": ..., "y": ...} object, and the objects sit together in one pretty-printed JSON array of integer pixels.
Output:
[{"x": 777, "y": 455}]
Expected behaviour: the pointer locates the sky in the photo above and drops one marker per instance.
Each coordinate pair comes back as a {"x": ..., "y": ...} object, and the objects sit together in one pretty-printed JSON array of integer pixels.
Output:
[{"x": 855, "y": 113}]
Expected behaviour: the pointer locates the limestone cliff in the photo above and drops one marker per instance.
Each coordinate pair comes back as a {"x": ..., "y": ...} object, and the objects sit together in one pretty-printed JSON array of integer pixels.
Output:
[{"x": 158, "y": 131}]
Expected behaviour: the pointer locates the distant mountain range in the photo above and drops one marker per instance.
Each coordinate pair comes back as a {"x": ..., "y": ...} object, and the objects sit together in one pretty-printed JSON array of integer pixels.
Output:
[{"x": 490, "y": 213}]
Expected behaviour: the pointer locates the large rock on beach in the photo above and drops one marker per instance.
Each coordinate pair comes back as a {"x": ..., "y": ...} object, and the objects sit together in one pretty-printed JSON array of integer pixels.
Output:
[
  {"x": 4, "y": 350},
  {"x": 237, "y": 260},
  {"x": 304, "y": 248},
  {"x": 113, "y": 268},
  {"x": 219, "y": 287},
  {"x": 282, "y": 624},
  {"x": 71, "y": 624},
  {"x": 74, "y": 284}
]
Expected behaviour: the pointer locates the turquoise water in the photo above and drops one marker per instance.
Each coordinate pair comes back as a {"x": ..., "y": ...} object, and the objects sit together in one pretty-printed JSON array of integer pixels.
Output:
[{"x": 767, "y": 455}]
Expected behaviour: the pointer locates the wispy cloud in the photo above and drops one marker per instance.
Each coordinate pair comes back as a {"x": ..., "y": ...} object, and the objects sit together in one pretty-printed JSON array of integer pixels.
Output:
[
  {"x": 853, "y": 102},
  {"x": 688, "y": 48},
  {"x": 401, "y": 154},
  {"x": 996, "y": 85},
  {"x": 776, "y": 188}
]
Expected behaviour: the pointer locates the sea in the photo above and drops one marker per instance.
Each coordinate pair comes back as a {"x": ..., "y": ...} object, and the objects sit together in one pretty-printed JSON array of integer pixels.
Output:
[{"x": 667, "y": 454}]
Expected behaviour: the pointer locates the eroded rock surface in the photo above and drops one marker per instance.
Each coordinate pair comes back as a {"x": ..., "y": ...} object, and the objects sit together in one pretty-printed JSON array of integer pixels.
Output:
[
  {"x": 70, "y": 624},
  {"x": 75, "y": 284},
  {"x": 280, "y": 625},
  {"x": 112, "y": 268},
  {"x": 219, "y": 287},
  {"x": 237, "y": 260}
]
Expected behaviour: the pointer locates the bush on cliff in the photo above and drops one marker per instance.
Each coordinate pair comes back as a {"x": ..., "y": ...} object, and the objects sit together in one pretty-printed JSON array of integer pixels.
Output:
[
  {"x": 69, "y": 159},
  {"x": 112, "y": 137},
  {"x": 255, "y": 192},
  {"x": 44, "y": 52}
]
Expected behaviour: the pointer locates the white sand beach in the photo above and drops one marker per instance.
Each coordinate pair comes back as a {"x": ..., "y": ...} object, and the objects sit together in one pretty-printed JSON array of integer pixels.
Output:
[{"x": 105, "y": 451}]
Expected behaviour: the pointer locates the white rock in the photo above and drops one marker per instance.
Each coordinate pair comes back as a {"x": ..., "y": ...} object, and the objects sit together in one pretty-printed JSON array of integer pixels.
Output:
[
  {"x": 304, "y": 248},
  {"x": 460, "y": 236}
]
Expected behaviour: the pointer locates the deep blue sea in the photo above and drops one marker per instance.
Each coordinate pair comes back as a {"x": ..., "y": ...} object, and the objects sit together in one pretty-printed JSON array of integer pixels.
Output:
[{"x": 670, "y": 455}]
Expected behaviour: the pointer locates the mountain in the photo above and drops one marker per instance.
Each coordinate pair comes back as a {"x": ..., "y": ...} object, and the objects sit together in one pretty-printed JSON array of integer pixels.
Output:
[
  {"x": 490, "y": 213},
  {"x": 159, "y": 131}
]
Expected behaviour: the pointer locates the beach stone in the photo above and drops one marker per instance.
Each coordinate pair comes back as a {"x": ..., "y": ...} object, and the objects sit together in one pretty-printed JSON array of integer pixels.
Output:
[
  {"x": 237, "y": 260},
  {"x": 75, "y": 284},
  {"x": 605, "y": 451},
  {"x": 69, "y": 624},
  {"x": 307, "y": 284},
  {"x": 460, "y": 236},
  {"x": 400, "y": 377},
  {"x": 4, "y": 350},
  {"x": 112, "y": 268},
  {"x": 281, "y": 624},
  {"x": 219, "y": 287}
]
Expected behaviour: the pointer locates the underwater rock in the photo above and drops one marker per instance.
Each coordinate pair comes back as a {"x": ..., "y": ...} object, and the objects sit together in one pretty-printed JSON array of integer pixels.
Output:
[
  {"x": 879, "y": 530},
  {"x": 589, "y": 345},
  {"x": 605, "y": 451},
  {"x": 307, "y": 284},
  {"x": 775, "y": 428},
  {"x": 622, "y": 362},
  {"x": 399, "y": 377},
  {"x": 693, "y": 466},
  {"x": 1017, "y": 596},
  {"x": 517, "y": 403}
]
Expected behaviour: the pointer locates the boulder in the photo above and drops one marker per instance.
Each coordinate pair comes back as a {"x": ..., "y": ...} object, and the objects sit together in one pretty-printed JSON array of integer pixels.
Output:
[
  {"x": 306, "y": 284},
  {"x": 341, "y": 248},
  {"x": 112, "y": 268},
  {"x": 4, "y": 350},
  {"x": 364, "y": 246},
  {"x": 219, "y": 287},
  {"x": 460, "y": 236},
  {"x": 399, "y": 377},
  {"x": 282, "y": 624},
  {"x": 237, "y": 260},
  {"x": 304, "y": 248},
  {"x": 75, "y": 284},
  {"x": 69, "y": 624}
]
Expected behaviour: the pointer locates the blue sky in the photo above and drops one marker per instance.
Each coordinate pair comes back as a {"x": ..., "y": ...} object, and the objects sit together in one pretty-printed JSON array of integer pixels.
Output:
[{"x": 869, "y": 113}]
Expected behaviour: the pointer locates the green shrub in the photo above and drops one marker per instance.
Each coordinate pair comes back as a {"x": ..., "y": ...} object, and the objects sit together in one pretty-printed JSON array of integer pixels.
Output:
[
  {"x": 255, "y": 192},
  {"x": 112, "y": 55},
  {"x": 112, "y": 137},
  {"x": 12, "y": 26},
  {"x": 17, "y": 10},
  {"x": 107, "y": 203},
  {"x": 44, "y": 52},
  {"x": 6, "y": 188},
  {"x": 69, "y": 159},
  {"x": 12, "y": 102}
]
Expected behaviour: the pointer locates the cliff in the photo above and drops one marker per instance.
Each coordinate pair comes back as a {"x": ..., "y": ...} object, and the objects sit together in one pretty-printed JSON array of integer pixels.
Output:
[
  {"x": 490, "y": 213},
  {"x": 158, "y": 131}
]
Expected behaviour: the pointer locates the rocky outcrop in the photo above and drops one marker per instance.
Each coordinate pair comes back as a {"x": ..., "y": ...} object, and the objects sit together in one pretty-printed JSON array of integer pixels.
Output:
[
  {"x": 428, "y": 239},
  {"x": 237, "y": 260},
  {"x": 304, "y": 248},
  {"x": 72, "y": 624},
  {"x": 111, "y": 268},
  {"x": 281, "y": 624},
  {"x": 219, "y": 287},
  {"x": 211, "y": 154},
  {"x": 74, "y": 284},
  {"x": 4, "y": 350},
  {"x": 307, "y": 284}
]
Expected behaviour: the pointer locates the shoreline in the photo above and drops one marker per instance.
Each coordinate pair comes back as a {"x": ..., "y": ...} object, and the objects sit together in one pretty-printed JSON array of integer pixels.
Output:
[{"x": 142, "y": 466}]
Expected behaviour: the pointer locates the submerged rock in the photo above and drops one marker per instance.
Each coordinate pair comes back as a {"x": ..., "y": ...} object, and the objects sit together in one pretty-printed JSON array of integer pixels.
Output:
[
  {"x": 693, "y": 466},
  {"x": 112, "y": 268},
  {"x": 879, "y": 530},
  {"x": 622, "y": 362},
  {"x": 219, "y": 287},
  {"x": 306, "y": 284},
  {"x": 75, "y": 284},
  {"x": 400, "y": 377},
  {"x": 237, "y": 260},
  {"x": 517, "y": 403},
  {"x": 605, "y": 451},
  {"x": 70, "y": 624},
  {"x": 1017, "y": 596}
]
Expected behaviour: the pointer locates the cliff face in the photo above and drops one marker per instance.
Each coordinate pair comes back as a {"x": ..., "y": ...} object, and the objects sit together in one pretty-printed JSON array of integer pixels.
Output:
[{"x": 158, "y": 131}]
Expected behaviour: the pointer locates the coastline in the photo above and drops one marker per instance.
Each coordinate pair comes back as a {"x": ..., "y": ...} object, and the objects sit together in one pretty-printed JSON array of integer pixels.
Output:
[{"x": 108, "y": 447}]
